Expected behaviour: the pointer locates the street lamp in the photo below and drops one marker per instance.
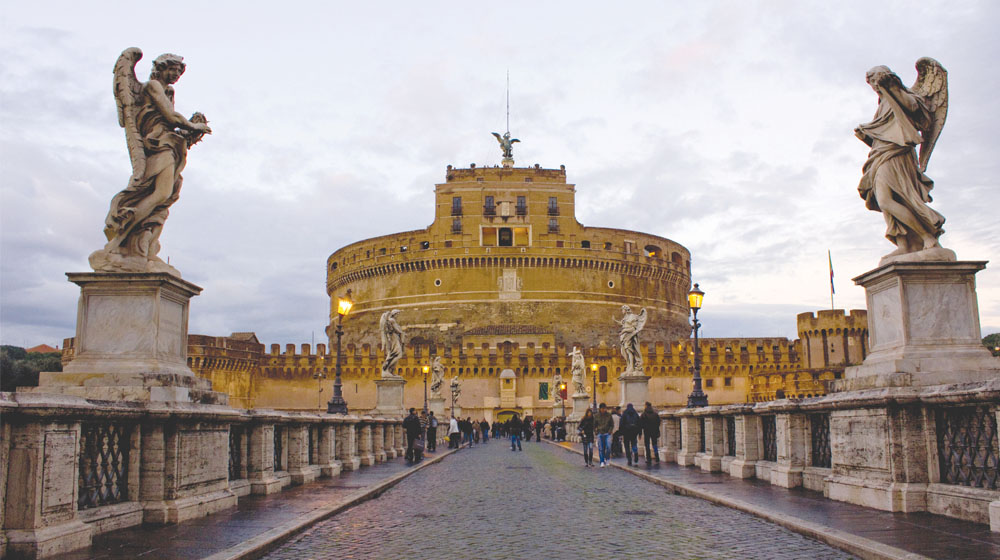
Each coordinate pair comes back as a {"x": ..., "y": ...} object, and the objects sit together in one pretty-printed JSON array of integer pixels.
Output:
[
  {"x": 337, "y": 404},
  {"x": 426, "y": 369},
  {"x": 562, "y": 395},
  {"x": 697, "y": 396},
  {"x": 593, "y": 370},
  {"x": 319, "y": 376}
]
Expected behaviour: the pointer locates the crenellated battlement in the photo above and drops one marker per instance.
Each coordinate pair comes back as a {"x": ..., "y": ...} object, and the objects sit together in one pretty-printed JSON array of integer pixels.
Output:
[{"x": 831, "y": 320}]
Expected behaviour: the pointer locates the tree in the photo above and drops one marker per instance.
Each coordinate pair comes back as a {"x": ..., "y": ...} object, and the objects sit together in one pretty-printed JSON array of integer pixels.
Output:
[
  {"x": 18, "y": 368},
  {"x": 992, "y": 343}
]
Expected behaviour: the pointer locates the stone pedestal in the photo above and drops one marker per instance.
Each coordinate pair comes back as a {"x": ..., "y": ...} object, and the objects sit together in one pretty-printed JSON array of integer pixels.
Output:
[
  {"x": 389, "y": 397},
  {"x": 437, "y": 406},
  {"x": 131, "y": 341},
  {"x": 635, "y": 389},
  {"x": 581, "y": 402},
  {"x": 923, "y": 321}
]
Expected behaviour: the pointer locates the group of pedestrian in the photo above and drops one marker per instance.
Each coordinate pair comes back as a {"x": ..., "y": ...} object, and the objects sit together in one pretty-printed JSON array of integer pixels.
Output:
[{"x": 607, "y": 426}]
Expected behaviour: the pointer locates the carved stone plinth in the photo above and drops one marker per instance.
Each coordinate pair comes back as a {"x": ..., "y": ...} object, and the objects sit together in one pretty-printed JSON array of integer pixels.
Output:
[
  {"x": 131, "y": 341},
  {"x": 635, "y": 389},
  {"x": 437, "y": 406},
  {"x": 580, "y": 405},
  {"x": 389, "y": 397},
  {"x": 923, "y": 320}
]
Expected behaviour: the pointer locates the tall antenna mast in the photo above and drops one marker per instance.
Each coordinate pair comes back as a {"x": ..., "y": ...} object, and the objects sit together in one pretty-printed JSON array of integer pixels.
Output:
[{"x": 508, "y": 101}]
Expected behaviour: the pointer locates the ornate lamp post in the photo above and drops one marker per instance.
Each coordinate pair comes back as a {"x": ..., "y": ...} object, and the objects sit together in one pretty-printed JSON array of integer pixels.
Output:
[
  {"x": 426, "y": 369},
  {"x": 337, "y": 404},
  {"x": 697, "y": 396},
  {"x": 593, "y": 370},
  {"x": 562, "y": 387}
]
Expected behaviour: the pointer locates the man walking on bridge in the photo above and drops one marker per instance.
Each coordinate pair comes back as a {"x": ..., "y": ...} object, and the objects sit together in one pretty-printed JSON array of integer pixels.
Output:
[
  {"x": 603, "y": 425},
  {"x": 412, "y": 426}
]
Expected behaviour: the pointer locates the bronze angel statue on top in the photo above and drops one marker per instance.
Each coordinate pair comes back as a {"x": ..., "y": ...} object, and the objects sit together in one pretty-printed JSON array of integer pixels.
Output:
[
  {"x": 506, "y": 144},
  {"x": 158, "y": 138},
  {"x": 893, "y": 180}
]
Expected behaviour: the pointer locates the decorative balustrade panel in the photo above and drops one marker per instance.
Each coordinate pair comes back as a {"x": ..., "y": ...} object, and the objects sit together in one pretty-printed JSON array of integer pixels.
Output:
[
  {"x": 731, "y": 436},
  {"x": 313, "y": 438},
  {"x": 235, "y": 453},
  {"x": 769, "y": 430},
  {"x": 820, "y": 436},
  {"x": 279, "y": 448},
  {"x": 701, "y": 434},
  {"x": 967, "y": 446},
  {"x": 104, "y": 458}
]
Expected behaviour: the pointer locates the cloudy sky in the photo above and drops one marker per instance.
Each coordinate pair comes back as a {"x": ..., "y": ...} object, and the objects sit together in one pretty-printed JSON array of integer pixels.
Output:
[{"x": 726, "y": 127}]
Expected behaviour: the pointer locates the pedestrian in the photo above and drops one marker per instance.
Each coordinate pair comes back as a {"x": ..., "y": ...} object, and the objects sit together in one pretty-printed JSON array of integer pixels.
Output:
[
  {"x": 515, "y": 432},
  {"x": 538, "y": 430},
  {"x": 412, "y": 426},
  {"x": 526, "y": 432},
  {"x": 485, "y": 427},
  {"x": 453, "y": 434},
  {"x": 587, "y": 437},
  {"x": 467, "y": 430},
  {"x": 650, "y": 431},
  {"x": 630, "y": 427},
  {"x": 616, "y": 435},
  {"x": 432, "y": 427},
  {"x": 475, "y": 431},
  {"x": 604, "y": 425}
]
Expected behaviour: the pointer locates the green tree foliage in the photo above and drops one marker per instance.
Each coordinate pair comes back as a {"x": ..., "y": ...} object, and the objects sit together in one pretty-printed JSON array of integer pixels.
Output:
[
  {"x": 18, "y": 368},
  {"x": 992, "y": 342}
]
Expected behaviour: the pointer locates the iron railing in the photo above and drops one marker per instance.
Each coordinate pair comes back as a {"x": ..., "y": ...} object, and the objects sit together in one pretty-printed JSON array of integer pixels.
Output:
[
  {"x": 967, "y": 446},
  {"x": 820, "y": 436},
  {"x": 235, "y": 453},
  {"x": 279, "y": 444},
  {"x": 731, "y": 436},
  {"x": 769, "y": 430},
  {"x": 701, "y": 434},
  {"x": 313, "y": 437},
  {"x": 104, "y": 457}
]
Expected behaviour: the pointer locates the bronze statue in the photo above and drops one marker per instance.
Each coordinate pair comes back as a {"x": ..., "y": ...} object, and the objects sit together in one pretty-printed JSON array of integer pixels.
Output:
[
  {"x": 158, "y": 138},
  {"x": 506, "y": 144},
  {"x": 894, "y": 182}
]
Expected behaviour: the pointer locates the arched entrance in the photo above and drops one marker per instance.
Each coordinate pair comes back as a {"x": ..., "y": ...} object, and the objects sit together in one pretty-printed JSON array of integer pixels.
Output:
[{"x": 504, "y": 414}]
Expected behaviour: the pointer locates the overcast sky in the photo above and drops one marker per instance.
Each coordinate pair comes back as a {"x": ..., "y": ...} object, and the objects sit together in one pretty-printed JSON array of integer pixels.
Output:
[{"x": 726, "y": 127}]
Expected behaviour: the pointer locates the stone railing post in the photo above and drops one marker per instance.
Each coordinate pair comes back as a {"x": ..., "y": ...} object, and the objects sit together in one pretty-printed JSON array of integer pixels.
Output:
[
  {"x": 389, "y": 439},
  {"x": 260, "y": 455},
  {"x": 791, "y": 432},
  {"x": 365, "y": 447},
  {"x": 326, "y": 450},
  {"x": 690, "y": 439},
  {"x": 299, "y": 467},
  {"x": 747, "y": 446},
  {"x": 347, "y": 444},
  {"x": 378, "y": 440},
  {"x": 670, "y": 432},
  {"x": 40, "y": 517},
  {"x": 239, "y": 438},
  {"x": 400, "y": 437},
  {"x": 715, "y": 444}
]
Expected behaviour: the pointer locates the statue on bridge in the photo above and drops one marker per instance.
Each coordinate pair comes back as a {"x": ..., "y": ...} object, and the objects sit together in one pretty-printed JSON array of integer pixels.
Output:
[
  {"x": 392, "y": 342},
  {"x": 437, "y": 377},
  {"x": 631, "y": 325},
  {"x": 158, "y": 138},
  {"x": 578, "y": 369}
]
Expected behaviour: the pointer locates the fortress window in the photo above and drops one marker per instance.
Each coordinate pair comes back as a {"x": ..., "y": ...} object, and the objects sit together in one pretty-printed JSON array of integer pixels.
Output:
[
  {"x": 528, "y": 179},
  {"x": 456, "y": 206},
  {"x": 709, "y": 383},
  {"x": 456, "y": 223},
  {"x": 553, "y": 206},
  {"x": 506, "y": 237},
  {"x": 607, "y": 246},
  {"x": 404, "y": 248},
  {"x": 522, "y": 206},
  {"x": 602, "y": 374},
  {"x": 559, "y": 243},
  {"x": 334, "y": 267},
  {"x": 553, "y": 225},
  {"x": 437, "y": 282},
  {"x": 676, "y": 258},
  {"x": 489, "y": 235},
  {"x": 424, "y": 245},
  {"x": 447, "y": 244},
  {"x": 489, "y": 207},
  {"x": 653, "y": 251},
  {"x": 727, "y": 381},
  {"x": 381, "y": 251},
  {"x": 628, "y": 247},
  {"x": 585, "y": 244}
]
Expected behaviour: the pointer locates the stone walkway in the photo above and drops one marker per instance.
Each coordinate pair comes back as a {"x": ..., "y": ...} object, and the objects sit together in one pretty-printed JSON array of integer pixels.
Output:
[
  {"x": 489, "y": 502},
  {"x": 255, "y": 523},
  {"x": 866, "y": 532}
]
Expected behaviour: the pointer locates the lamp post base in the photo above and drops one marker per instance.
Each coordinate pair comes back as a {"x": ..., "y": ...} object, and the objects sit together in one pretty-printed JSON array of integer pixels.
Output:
[
  {"x": 696, "y": 399},
  {"x": 337, "y": 405}
]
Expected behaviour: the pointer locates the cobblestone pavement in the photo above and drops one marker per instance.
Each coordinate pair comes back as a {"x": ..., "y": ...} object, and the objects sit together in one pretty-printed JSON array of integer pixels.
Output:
[{"x": 489, "y": 502}]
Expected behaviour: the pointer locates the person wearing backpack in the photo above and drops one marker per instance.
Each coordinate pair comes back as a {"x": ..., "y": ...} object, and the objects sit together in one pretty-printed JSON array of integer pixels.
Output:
[
  {"x": 432, "y": 426},
  {"x": 630, "y": 427},
  {"x": 650, "y": 431}
]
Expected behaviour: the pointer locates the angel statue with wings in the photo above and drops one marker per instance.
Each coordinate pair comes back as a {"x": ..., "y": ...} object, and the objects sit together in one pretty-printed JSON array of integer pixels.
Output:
[
  {"x": 392, "y": 342},
  {"x": 893, "y": 180},
  {"x": 437, "y": 377},
  {"x": 506, "y": 144},
  {"x": 576, "y": 363},
  {"x": 158, "y": 138},
  {"x": 631, "y": 325}
]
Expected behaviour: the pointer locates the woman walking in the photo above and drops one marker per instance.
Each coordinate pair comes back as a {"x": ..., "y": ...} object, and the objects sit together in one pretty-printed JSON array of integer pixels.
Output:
[{"x": 587, "y": 437}]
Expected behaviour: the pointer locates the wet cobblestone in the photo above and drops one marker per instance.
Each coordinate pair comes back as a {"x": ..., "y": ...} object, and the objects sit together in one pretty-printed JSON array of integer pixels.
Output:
[{"x": 488, "y": 502}]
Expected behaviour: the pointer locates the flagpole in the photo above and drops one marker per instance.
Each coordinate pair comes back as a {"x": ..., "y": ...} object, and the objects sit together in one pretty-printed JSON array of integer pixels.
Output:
[{"x": 829, "y": 257}]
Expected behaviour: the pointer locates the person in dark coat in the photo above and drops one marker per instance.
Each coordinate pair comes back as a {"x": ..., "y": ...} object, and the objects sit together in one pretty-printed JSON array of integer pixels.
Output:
[
  {"x": 412, "y": 426},
  {"x": 630, "y": 427},
  {"x": 515, "y": 432},
  {"x": 587, "y": 437},
  {"x": 650, "y": 431}
]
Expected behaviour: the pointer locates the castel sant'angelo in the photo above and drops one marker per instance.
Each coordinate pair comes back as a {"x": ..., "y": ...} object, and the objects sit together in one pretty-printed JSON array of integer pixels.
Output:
[{"x": 501, "y": 287}]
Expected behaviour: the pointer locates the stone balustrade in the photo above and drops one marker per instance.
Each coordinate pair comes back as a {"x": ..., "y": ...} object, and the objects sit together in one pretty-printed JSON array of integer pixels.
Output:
[
  {"x": 931, "y": 449},
  {"x": 72, "y": 468}
]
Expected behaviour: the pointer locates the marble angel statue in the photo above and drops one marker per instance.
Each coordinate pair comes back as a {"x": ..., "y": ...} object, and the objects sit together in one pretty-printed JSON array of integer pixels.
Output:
[
  {"x": 628, "y": 336},
  {"x": 392, "y": 342},
  {"x": 578, "y": 370},
  {"x": 893, "y": 180},
  {"x": 158, "y": 138},
  {"x": 437, "y": 377}
]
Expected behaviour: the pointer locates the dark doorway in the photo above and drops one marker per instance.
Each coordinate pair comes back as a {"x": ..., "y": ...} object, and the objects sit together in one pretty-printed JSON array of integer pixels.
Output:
[{"x": 506, "y": 238}]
